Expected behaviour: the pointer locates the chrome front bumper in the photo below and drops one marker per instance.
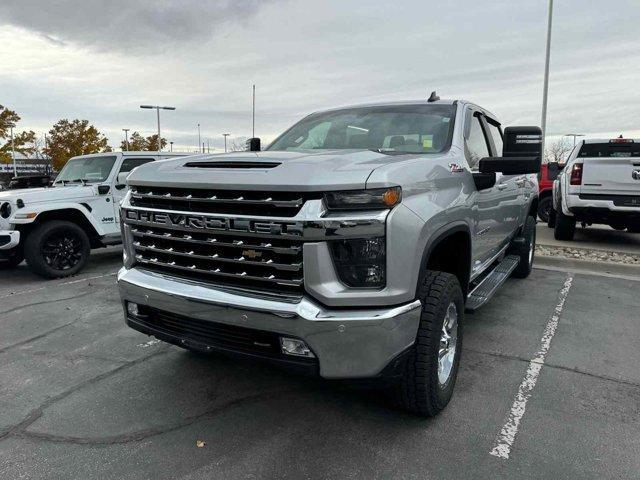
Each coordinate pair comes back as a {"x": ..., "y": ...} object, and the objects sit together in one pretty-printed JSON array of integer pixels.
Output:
[
  {"x": 349, "y": 343},
  {"x": 9, "y": 239}
]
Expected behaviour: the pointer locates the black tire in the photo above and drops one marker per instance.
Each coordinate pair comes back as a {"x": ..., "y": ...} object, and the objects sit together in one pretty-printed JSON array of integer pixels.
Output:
[
  {"x": 565, "y": 226},
  {"x": 57, "y": 249},
  {"x": 551, "y": 222},
  {"x": 421, "y": 390},
  {"x": 524, "y": 247},
  {"x": 544, "y": 207}
]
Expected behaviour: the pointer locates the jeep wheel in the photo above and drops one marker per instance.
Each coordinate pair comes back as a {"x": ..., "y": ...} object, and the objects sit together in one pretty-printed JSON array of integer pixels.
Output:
[
  {"x": 57, "y": 249},
  {"x": 525, "y": 248},
  {"x": 544, "y": 207},
  {"x": 565, "y": 226},
  {"x": 432, "y": 365}
]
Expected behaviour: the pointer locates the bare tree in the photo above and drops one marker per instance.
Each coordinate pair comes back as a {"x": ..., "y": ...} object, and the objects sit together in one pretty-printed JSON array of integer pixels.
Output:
[
  {"x": 557, "y": 151},
  {"x": 238, "y": 144}
]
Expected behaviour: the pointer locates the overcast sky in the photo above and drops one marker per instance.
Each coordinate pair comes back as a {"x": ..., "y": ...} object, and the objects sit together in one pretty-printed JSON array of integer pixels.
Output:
[{"x": 100, "y": 60}]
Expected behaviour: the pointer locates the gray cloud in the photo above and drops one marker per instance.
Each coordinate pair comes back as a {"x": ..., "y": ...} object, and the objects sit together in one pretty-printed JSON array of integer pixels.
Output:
[
  {"x": 100, "y": 60},
  {"x": 135, "y": 26}
]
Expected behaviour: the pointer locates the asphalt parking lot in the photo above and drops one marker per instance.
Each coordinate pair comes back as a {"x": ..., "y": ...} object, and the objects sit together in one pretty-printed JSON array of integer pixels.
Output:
[{"x": 549, "y": 372}]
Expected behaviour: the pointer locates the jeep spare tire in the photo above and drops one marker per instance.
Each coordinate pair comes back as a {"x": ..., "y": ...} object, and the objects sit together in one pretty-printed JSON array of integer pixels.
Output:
[{"x": 57, "y": 249}]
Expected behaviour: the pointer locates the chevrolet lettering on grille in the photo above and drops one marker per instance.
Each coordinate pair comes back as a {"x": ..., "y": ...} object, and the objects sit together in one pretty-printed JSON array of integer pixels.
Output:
[{"x": 201, "y": 222}]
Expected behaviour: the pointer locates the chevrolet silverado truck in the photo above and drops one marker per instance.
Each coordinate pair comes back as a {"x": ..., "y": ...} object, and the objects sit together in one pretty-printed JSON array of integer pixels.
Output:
[
  {"x": 56, "y": 227},
  {"x": 600, "y": 184},
  {"x": 350, "y": 248}
]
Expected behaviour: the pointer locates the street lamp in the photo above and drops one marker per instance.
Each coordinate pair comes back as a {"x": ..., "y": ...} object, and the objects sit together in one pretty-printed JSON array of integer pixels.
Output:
[
  {"x": 199, "y": 145},
  {"x": 126, "y": 137},
  {"x": 171, "y": 146},
  {"x": 545, "y": 89},
  {"x": 574, "y": 135},
  {"x": 225, "y": 135},
  {"x": 13, "y": 153},
  {"x": 158, "y": 108}
]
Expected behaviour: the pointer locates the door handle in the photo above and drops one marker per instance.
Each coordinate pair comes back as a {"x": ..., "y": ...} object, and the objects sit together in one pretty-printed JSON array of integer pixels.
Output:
[{"x": 502, "y": 186}]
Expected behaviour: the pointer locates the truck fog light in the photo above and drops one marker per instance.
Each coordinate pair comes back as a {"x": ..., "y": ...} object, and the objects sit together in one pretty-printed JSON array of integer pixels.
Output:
[
  {"x": 132, "y": 309},
  {"x": 294, "y": 346}
]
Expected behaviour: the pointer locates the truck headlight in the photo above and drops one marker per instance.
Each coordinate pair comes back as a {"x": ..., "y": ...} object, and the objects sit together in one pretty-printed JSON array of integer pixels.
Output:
[
  {"x": 372, "y": 199},
  {"x": 360, "y": 262}
]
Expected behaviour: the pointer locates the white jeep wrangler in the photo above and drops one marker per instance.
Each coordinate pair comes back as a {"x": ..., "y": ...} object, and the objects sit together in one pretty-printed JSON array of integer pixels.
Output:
[{"x": 55, "y": 228}]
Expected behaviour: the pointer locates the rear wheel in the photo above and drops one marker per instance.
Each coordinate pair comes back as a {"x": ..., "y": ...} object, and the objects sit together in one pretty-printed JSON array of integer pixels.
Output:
[
  {"x": 432, "y": 366},
  {"x": 57, "y": 249},
  {"x": 524, "y": 247},
  {"x": 565, "y": 227},
  {"x": 544, "y": 207},
  {"x": 551, "y": 221}
]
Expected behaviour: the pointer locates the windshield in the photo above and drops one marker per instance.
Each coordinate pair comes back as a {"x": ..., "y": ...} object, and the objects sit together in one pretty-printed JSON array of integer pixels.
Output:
[
  {"x": 388, "y": 129},
  {"x": 86, "y": 169}
]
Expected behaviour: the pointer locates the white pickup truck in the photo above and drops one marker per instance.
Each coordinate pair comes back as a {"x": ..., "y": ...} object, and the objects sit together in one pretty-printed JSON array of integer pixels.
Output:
[
  {"x": 600, "y": 184},
  {"x": 55, "y": 228}
]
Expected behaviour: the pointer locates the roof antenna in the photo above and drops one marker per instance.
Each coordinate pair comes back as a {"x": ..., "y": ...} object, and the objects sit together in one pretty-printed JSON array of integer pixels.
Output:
[{"x": 434, "y": 97}]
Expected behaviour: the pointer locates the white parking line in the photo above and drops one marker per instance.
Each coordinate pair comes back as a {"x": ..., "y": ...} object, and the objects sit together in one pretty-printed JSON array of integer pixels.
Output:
[
  {"x": 79, "y": 280},
  {"x": 507, "y": 435}
]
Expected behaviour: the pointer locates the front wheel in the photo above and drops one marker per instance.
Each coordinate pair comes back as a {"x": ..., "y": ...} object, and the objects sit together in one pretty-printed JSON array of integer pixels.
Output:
[
  {"x": 432, "y": 365},
  {"x": 57, "y": 249}
]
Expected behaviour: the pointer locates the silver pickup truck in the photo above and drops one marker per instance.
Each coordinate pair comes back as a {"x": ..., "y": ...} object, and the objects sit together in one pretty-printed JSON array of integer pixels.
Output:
[{"x": 350, "y": 248}]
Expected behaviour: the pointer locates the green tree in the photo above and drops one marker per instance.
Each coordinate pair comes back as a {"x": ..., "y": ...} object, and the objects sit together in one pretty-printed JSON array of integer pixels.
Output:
[
  {"x": 138, "y": 143},
  {"x": 71, "y": 138},
  {"x": 23, "y": 142}
]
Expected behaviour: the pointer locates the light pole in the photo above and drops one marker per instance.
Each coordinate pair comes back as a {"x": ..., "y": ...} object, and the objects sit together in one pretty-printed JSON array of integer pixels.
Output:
[
  {"x": 13, "y": 154},
  {"x": 574, "y": 135},
  {"x": 545, "y": 90},
  {"x": 158, "y": 108},
  {"x": 126, "y": 137},
  {"x": 171, "y": 146},
  {"x": 225, "y": 135},
  {"x": 199, "y": 137}
]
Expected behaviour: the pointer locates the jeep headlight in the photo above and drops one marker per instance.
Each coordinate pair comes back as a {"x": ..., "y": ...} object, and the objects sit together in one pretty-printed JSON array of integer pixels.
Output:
[
  {"x": 360, "y": 262},
  {"x": 5, "y": 210}
]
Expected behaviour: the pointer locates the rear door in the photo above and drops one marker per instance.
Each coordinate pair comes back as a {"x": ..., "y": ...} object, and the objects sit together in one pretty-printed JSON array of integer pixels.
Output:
[{"x": 611, "y": 168}]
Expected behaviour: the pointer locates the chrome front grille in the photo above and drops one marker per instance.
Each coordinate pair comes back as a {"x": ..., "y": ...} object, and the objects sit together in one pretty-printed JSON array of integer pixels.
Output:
[
  {"x": 221, "y": 257},
  {"x": 281, "y": 204}
]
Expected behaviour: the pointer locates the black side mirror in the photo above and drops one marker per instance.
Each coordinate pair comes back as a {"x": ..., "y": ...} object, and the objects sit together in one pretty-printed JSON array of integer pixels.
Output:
[
  {"x": 103, "y": 189},
  {"x": 521, "y": 154},
  {"x": 553, "y": 170},
  {"x": 253, "y": 144}
]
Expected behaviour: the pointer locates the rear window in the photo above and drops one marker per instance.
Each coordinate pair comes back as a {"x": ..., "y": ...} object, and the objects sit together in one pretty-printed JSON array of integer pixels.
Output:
[{"x": 609, "y": 150}]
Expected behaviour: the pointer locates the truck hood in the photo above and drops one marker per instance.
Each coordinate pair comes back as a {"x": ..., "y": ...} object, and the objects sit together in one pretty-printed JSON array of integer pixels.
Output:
[
  {"x": 277, "y": 170},
  {"x": 40, "y": 195}
]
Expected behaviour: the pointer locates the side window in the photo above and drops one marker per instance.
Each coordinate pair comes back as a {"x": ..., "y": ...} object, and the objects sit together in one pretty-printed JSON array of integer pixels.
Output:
[
  {"x": 131, "y": 163},
  {"x": 476, "y": 146},
  {"x": 496, "y": 134}
]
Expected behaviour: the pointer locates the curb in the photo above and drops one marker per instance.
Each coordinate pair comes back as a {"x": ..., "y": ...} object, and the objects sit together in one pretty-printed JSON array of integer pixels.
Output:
[{"x": 588, "y": 267}]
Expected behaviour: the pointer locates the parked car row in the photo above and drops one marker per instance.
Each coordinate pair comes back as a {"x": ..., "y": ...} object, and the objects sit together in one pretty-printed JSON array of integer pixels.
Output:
[{"x": 599, "y": 184}]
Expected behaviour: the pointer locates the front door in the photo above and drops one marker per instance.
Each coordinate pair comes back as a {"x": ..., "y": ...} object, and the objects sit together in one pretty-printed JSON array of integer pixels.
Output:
[{"x": 119, "y": 190}]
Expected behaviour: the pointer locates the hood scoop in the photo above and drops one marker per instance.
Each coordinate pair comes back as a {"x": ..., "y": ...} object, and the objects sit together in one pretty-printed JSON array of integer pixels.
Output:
[{"x": 223, "y": 164}]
